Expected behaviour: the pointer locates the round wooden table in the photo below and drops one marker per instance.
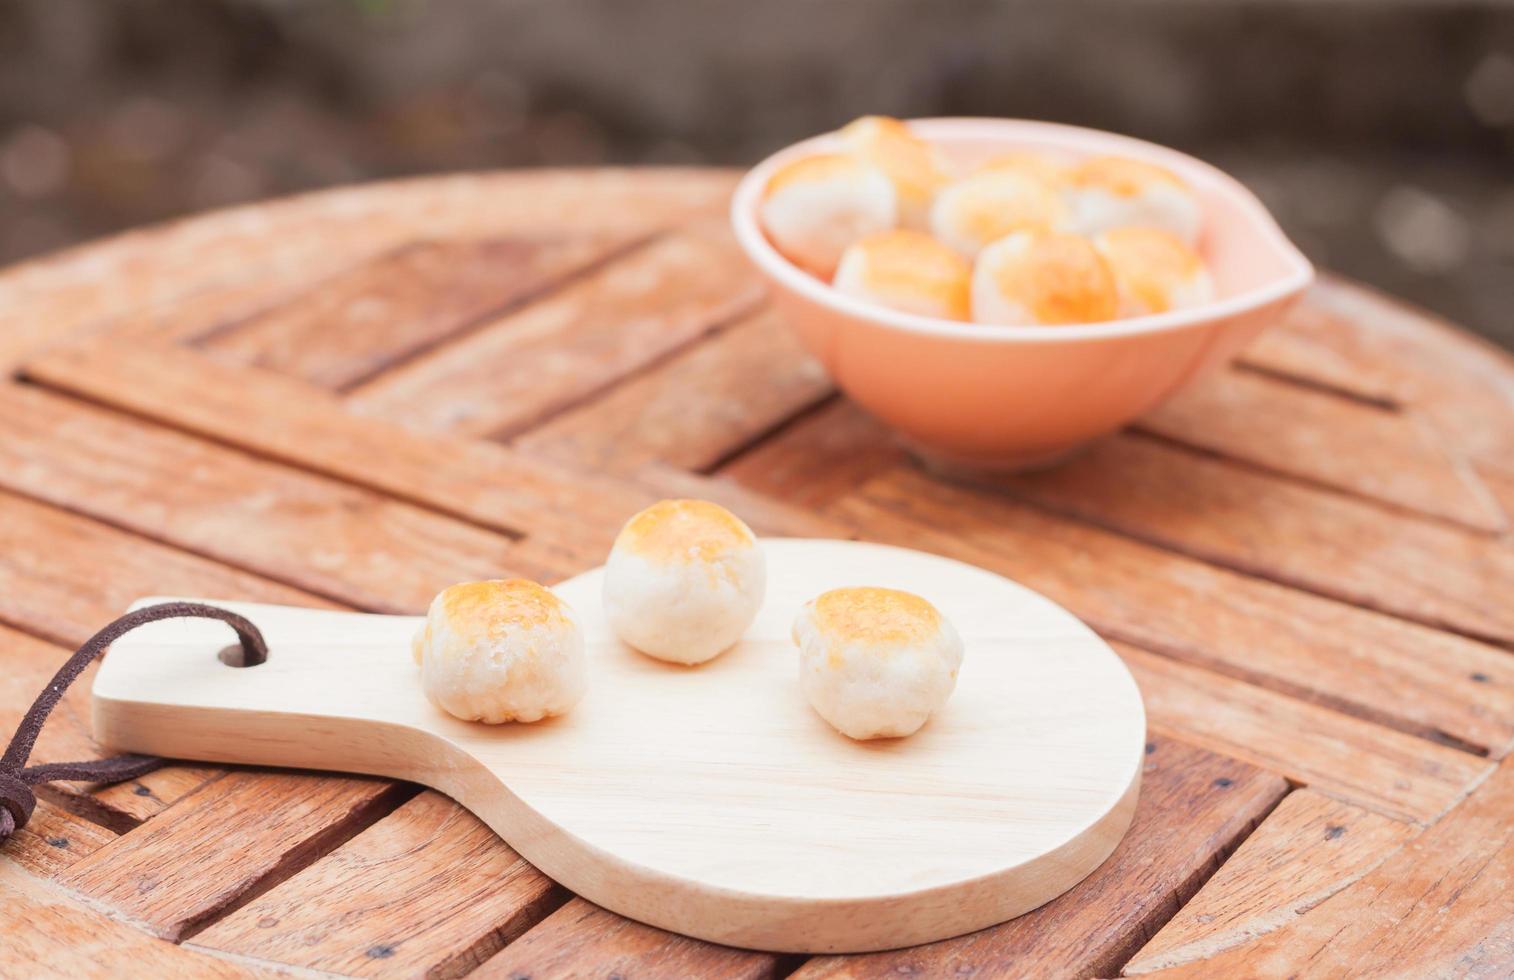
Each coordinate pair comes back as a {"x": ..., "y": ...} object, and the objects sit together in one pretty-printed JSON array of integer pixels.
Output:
[{"x": 354, "y": 398}]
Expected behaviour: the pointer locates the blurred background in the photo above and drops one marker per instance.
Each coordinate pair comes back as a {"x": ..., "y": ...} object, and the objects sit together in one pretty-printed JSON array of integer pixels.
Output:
[{"x": 1381, "y": 132}]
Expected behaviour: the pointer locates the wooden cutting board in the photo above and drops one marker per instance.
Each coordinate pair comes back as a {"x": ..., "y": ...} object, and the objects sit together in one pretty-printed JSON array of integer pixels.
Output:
[{"x": 711, "y": 801}]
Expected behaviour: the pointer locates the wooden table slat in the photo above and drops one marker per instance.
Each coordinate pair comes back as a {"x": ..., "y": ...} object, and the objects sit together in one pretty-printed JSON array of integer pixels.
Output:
[
  {"x": 228, "y": 840},
  {"x": 338, "y": 541},
  {"x": 581, "y": 933},
  {"x": 1374, "y": 767},
  {"x": 694, "y": 409},
  {"x": 58, "y": 936},
  {"x": 1387, "y": 456},
  {"x": 428, "y": 889},
  {"x": 1306, "y": 850},
  {"x": 522, "y": 368},
  {"x": 54, "y": 840},
  {"x": 1314, "y": 539},
  {"x": 1439, "y": 906},
  {"x": 301, "y": 425},
  {"x": 357, "y": 324}
]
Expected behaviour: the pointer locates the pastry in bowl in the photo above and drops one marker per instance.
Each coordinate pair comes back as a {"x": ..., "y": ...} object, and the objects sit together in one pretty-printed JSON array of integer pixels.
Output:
[{"x": 1010, "y": 388}]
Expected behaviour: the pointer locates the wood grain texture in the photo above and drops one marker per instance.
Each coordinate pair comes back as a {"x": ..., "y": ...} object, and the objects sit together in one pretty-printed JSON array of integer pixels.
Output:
[
  {"x": 1195, "y": 807},
  {"x": 356, "y": 324},
  {"x": 538, "y": 361},
  {"x": 1316, "y": 347},
  {"x": 48, "y": 298},
  {"x": 299, "y": 424},
  {"x": 1455, "y": 380},
  {"x": 222, "y": 844},
  {"x": 210, "y": 310},
  {"x": 694, "y": 409},
  {"x": 1306, "y": 850},
  {"x": 1408, "y": 676},
  {"x": 50, "y": 581},
  {"x": 53, "y": 840},
  {"x": 1045, "y": 722},
  {"x": 1395, "y": 775},
  {"x": 580, "y": 933},
  {"x": 1440, "y": 906},
  {"x": 321, "y": 536},
  {"x": 1314, "y": 539},
  {"x": 427, "y": 890},
  {"x": 60, "y": 937},
  {"x": 820, "y": 457},
  {"x": 1393, "y": 457}
]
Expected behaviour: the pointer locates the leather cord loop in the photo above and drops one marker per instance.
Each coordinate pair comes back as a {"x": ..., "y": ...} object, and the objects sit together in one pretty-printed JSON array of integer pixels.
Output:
[{"x": 17, "y": 801}]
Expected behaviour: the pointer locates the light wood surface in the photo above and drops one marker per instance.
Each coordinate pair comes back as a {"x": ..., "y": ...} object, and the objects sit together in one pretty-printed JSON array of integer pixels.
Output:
[
  {"x": 1306, "y": 562},
  {"x": 708, "y": 801}
]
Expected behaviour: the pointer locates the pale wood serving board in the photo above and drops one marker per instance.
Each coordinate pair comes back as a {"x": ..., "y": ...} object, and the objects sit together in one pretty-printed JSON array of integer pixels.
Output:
[{"x": 711, "y": 800}]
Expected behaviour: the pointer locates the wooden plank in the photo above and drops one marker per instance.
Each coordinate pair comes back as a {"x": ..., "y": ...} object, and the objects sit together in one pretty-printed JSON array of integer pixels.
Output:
[
  {"x": 428, "y": 890},
  {"x": 225, "y": 843},
  {"x": 560, "y": 350},
  {"x": 50, "y": 581},
  {"x": 1416, "y": 679},
  {"x": 1314, "y": 539},
  {"x": 1458, "y": 381},
  {"x": 56, "y": 936},
  {"x": 46, "y": 299},
  {"x": 1373, "y": 767},
  {"x": 1440, "y": 906},
  {"x": 694, "y": 409},
  {"x": 294, "y": 422},
  {"x": 1306, "y": 850},
  {"x": 1499, "y": 479},
  {"x": 581, "y": 936},
  {"x": 1194, "y": 808},
  {"x": 351, "y": 326},
  {"x": 209, "y": 310},
  {"x": 335, "y": 540},
  {"x": 1392, "y": 457},
  {"x": 53, "y": 840},
  {"x": 820, "y": 458},
  {"x": 1315, "y": 347}
]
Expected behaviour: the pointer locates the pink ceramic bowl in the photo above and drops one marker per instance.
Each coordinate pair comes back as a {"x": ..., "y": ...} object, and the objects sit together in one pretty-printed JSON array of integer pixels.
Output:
[{"x": 1002, "y": 397}]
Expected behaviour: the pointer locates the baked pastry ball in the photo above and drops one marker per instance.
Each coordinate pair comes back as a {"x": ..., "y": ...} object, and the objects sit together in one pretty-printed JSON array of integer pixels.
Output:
[
  {"x": 1112, "y": 192},
  {"x": 909, "y": 271},
  {"x": 991, "y": 204},
  {"x": 1043, "y": 278},
  {"x": 813, "y": 208},
  {"x": 1049, "y": 170},
  {"x": 876, "y": 663},
  {"x": 684, "y": 580},
  {"x": 501, "y": 650},
  {"x": 913, "y": 165},
  {"x": 1154, "y": 271}
]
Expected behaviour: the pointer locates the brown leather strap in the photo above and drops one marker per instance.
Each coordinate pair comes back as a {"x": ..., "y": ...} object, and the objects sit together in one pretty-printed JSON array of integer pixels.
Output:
[{"x": 17, "y": 779}]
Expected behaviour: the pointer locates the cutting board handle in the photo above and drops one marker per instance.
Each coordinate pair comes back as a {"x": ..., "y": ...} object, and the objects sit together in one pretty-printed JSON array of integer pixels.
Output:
[{"x": 166, "y": 690}]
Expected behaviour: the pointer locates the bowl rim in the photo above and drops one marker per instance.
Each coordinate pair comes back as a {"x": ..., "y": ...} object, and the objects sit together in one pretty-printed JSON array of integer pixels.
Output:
[{"x": 755, "y": 243}]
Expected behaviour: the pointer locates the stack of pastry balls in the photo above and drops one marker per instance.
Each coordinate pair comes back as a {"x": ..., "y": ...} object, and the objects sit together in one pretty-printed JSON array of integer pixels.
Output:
[
  {"x": 684, "y": 580},
  {"x": 1024, "y": 239}
]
